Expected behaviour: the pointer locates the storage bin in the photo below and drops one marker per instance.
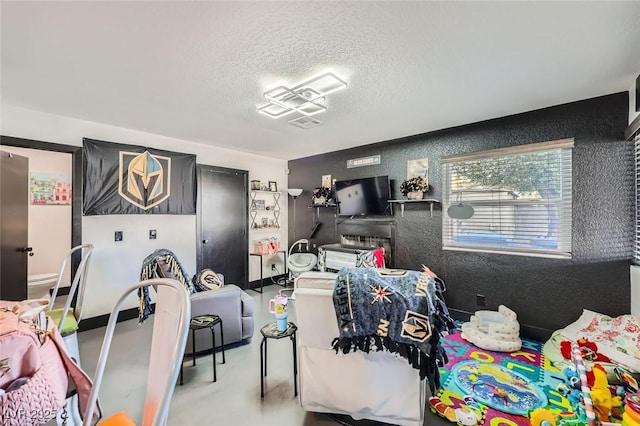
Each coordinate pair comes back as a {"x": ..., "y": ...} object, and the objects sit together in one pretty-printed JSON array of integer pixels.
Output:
[{"x": 266, "y": 246}]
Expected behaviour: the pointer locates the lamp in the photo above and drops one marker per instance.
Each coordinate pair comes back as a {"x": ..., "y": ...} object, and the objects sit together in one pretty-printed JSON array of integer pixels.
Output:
[
  {"x": 295, "y": 193},
  {"x": 305, "y": 98}
]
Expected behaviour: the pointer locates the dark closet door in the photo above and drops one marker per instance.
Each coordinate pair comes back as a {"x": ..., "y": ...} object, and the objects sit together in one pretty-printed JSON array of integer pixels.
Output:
[
  {"x": 223, "y": 223},
  {"x": 14, "y": 225}
]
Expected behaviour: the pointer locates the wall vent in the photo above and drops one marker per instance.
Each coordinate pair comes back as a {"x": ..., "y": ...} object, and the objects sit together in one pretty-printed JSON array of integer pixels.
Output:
[{"x": 305, "y": 122}]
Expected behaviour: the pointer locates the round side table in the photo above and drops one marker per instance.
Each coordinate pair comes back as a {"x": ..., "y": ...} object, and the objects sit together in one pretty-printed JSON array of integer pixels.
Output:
[
  {"x": 198, "y": 323},
  {"x": 270, "y": 331}
]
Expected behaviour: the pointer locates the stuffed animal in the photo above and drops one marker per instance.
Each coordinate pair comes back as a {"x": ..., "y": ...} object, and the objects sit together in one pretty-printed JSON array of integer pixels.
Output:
[
  {"x": 468, "y": 414},
  {"x": 601, "y": 396}
]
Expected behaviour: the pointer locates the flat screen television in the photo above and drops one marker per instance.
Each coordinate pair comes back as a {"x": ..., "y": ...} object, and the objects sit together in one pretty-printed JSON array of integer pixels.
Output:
[{"x": 363, "y": 196}]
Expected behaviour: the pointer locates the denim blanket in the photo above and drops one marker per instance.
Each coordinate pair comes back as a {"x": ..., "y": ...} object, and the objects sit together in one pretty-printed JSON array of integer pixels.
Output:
[{"x": 403, "y": 312}]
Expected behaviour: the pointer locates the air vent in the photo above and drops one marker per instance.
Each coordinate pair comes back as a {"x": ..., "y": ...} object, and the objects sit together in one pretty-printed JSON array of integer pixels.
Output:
[{"x": 305, "y": 122}]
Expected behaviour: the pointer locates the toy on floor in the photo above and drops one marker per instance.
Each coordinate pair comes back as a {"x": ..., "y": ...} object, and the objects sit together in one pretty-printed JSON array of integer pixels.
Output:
[
  {"x": 588, "y": 351},
  {"x": 629, "y": 383},
  {"x": 544, "y": 417},
  {"x": 498, "y": 387},
  {"x": 494, "y": 331},
  {"x": 631, "y": 415},
  {"x": 603, "y": 401},
  {"x": 468, "y": 414}
]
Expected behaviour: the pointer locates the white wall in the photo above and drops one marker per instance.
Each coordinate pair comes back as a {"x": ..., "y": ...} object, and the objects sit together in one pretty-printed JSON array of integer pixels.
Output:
[
  {"x": 116, "y": 265},
  {"x": 632, "y": 103},
  {"x": 49, "y": 225}
]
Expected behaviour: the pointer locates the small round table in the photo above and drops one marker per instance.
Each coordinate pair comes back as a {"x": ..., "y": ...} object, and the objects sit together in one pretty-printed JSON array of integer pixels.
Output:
[
  {"x": 198, "y": 323},
  {"x": 270, "y": 331}
]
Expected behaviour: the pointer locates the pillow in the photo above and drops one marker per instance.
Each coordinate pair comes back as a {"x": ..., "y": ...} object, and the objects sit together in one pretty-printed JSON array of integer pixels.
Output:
[{"x": 206, "y": 280}]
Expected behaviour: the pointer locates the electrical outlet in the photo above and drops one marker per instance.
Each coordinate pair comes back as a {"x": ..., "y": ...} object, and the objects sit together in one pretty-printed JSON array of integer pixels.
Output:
[
  {"x": 273, "y": 266},
  {"x": 480, "y": 301},
  {"x": 118, "y": 236}
]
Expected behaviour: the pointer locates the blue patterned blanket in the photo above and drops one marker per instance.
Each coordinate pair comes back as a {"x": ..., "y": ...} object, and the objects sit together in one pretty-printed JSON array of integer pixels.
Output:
[{"x": 401, "y": 311}]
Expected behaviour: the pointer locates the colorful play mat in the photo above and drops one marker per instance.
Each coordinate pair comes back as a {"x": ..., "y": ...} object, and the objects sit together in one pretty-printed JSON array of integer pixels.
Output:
[
  {"x": 505, "y": 384},
  {"x": 498, "y": 387}
]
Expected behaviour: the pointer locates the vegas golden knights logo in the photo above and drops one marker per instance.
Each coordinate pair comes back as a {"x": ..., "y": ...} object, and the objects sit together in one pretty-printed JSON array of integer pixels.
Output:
[
  {"x": 144, "y": 179},
  {"x": 416, "y": 327}
]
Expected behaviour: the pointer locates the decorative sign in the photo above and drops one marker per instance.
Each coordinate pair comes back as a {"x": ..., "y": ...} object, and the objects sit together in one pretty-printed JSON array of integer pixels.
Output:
[
  {"x": 128, "y": 179},
  {"x": 364, "y": 161},
  {"x": 50, "y": 189}
]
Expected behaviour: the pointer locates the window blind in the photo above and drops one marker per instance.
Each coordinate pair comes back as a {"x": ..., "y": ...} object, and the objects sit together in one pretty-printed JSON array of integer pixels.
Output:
[{"x": 518, "y": 200}]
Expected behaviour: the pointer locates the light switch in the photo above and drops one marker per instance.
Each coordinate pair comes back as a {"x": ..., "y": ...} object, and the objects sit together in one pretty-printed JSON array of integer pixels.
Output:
[
  {"x": 152, "y": 234},
  {"x": 118, "y": 236}
]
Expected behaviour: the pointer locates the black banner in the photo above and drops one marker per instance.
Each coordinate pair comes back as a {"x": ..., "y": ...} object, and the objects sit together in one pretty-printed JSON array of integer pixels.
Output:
[{"x": 129, "y": 179}]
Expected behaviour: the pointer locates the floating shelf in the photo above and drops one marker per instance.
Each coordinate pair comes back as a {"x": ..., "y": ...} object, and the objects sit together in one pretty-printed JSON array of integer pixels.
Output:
[
  {"x": 431, "y": 202},
  {"x": 317, "y": 207}
]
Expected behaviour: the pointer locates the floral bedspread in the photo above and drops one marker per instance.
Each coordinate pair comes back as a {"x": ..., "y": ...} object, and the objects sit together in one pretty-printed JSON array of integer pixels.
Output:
[{"x": 618, "y": 338}]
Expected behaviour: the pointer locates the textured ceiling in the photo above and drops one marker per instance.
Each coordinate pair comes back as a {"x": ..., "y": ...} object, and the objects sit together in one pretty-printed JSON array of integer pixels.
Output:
[{"x": 197, "y": 70}]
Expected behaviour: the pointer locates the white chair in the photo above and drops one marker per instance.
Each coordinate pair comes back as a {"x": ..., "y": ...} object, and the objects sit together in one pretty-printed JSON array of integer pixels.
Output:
[
  {"x": 378, "y": 386},
  {"x": 170, "y": 330},
  {"x": 68, "y": 319}
]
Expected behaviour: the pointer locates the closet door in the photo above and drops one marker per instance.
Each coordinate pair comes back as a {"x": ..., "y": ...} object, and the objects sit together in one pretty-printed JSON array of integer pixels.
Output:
[
  {"x": 14, "y": 225},
  {"x": 223, "y": 239}
]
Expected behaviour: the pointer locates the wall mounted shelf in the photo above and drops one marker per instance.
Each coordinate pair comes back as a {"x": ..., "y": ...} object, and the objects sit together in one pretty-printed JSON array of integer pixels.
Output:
[
  {"x": 431, "y": 202},
  {"x": 254, "y": 210},
  {"x": 325, "y": 205}
]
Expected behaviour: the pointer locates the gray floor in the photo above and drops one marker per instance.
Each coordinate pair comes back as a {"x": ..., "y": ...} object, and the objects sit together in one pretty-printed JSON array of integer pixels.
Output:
[{"x": 233, "y": 399}]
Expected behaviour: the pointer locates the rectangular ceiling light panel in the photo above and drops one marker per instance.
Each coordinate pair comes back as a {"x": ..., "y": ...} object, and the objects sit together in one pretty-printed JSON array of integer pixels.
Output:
[{"x": 306, "y": 98}]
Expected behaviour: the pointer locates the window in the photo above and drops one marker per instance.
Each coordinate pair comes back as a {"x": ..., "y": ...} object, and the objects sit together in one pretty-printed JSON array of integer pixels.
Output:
[{"x": 514, "y": 200}]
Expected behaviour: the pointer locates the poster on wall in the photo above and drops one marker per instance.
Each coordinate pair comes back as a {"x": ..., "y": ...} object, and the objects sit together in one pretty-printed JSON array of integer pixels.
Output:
[
  {"x": 50, "y": 189},
  {"x": 129, "y": 179},
  {"x": 419, "y": 167}
]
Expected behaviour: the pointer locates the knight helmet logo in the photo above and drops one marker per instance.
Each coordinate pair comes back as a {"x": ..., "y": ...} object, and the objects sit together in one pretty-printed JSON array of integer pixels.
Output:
[
  {"x": 144, "y": 179},
  {"x": 416, "y": 327}
]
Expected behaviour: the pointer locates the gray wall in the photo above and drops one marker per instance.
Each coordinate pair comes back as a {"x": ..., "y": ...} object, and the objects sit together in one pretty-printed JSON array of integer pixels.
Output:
[{"x": 547, "y": 294}]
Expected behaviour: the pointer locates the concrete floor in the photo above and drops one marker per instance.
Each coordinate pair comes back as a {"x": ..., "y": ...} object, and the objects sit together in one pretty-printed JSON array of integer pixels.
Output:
[{"x": 233, "y": 400}]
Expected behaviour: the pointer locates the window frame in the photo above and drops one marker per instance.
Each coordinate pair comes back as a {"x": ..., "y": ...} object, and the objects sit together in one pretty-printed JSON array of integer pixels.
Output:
[{"x": 564, "y": 206}]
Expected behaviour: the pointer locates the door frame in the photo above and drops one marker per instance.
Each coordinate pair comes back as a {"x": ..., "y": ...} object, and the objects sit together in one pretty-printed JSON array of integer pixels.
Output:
[
  {"x": 76, "y": 182},
  {"x": 245, "y": 175}
]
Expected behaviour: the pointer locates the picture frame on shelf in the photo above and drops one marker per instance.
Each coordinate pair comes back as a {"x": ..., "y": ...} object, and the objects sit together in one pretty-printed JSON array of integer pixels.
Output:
[
  {"x": 418, "y": 168},
  {"x": 255, "y": 185},
  {"x": 259, "y": 205},
  {"x": 265, "y": 222},
  {"x": 273, "y": 186}
]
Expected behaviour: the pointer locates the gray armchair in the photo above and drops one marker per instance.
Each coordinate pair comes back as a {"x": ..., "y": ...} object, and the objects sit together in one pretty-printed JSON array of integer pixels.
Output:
[{"x": 230, "y": 303}]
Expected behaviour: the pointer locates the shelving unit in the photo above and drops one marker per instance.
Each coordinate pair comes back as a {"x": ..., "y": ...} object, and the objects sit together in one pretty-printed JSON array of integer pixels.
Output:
[
  {"x": 274, "y": 212},
  {"x": 431, "y": 202}
]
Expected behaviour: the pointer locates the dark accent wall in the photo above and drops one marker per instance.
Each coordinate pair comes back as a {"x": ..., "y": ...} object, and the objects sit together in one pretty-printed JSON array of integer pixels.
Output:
[{"x": 547, "y": 294}]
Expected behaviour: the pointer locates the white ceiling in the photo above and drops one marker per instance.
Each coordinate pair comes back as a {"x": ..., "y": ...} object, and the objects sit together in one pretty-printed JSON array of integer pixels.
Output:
[{"x": 197, "y": 70}]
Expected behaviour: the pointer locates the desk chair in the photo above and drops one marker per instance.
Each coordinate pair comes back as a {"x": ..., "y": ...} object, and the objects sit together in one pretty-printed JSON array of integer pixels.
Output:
[{"x": 170, "y": 330}]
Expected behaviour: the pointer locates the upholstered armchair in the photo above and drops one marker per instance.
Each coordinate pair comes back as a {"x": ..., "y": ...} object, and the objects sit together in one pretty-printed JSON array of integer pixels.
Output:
[
  {"x": 230, "y": 303},
  {"x": 377, "y": 386}
]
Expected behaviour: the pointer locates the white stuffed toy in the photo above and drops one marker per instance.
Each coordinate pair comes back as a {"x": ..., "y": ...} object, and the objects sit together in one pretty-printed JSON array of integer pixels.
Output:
[{"x": 494, "y": 331}]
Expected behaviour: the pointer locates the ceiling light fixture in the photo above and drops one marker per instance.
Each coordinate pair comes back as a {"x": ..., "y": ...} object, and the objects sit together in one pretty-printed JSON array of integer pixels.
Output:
[{"x": 306, "y": 98}]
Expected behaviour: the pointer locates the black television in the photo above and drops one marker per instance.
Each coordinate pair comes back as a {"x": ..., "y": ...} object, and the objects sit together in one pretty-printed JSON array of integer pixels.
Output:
[{"x": 363, "y": 196}]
